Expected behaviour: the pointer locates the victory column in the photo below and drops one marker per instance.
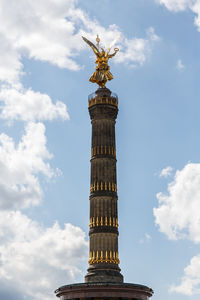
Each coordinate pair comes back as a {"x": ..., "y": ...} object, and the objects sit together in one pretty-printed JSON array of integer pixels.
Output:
[{"x": 103, "y": 280}]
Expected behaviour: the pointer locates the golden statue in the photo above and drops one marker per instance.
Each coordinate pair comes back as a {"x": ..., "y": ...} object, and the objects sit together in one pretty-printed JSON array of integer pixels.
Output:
[{"x": 102, "y": 73}]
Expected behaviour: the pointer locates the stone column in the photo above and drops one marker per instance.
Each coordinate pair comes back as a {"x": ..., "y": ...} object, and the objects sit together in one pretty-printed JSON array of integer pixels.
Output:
[
  {"x": 103, "y": 280},
  {"x": 103, "y": 253}
]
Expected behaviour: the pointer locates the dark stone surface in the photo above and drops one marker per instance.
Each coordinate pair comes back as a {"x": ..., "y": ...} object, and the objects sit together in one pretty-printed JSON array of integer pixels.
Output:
[
  {"x": 103, "y": 280},
  {"x": 104, "y": 229},
  {"x": 107, "y": 290},
  {"x": 104, "y": 273},
  {"x": 103, "y": 110},
  {"x": 103, "y": 92}
]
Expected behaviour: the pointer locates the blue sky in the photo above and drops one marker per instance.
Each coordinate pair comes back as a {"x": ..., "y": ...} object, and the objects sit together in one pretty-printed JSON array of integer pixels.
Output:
[{"x": 46, "y": 134}]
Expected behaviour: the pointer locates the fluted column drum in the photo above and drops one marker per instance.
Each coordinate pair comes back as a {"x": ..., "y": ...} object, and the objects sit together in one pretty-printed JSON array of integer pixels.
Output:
[{"x": 103, "y": 252}]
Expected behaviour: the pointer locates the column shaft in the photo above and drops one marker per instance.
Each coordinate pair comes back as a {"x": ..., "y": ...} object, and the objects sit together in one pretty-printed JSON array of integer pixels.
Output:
[{"x": 103, "y": 253}]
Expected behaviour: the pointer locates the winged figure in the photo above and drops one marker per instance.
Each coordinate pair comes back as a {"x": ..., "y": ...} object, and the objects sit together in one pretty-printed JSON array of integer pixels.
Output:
[{"x": 102, "y": 73}]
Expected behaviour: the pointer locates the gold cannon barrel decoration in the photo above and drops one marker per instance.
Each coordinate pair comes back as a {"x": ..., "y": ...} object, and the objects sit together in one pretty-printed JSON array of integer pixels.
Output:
[
  {"x": 103, "y": 186},
  {"x": 103, "y": 221},
  {"x": 108, "y": 257}
]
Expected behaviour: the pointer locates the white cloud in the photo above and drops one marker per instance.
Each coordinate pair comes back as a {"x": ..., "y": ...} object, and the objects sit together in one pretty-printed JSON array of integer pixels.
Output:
[
  {"x": 190, "y": 282},
  {"x": 166, "y": 172},
  {"x": 196, "y": 9},
  {"x": 147, "y": 238},
  {"x": 19, "y": 166},
  {"x": 180, "y": 66},
  {"x": 177, "y": 214},
  {"x": 178, "y": 217},
  {"x": 181, "y": 5},
  {"x": 36, "y": 260},
  {"x": 152, "y": 35},
  {"x": 51, "y": 30},
  {"x": 10, "y": 64},
  {"x": 135, "y": 51},
  {"x": 177, "y": 5},
  {"x": 27, "y": 105},
  {"x": 40, "y": 30}
]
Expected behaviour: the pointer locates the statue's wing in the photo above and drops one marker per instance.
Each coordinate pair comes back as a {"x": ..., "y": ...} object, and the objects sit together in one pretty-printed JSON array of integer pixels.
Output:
[{"x": 94, "y": 48}]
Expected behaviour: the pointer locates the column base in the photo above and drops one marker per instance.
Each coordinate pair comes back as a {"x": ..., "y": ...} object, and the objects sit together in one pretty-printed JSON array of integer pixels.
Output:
[
  {"x": 94, "y": 291},
  {"x": 103, "y": 274}
]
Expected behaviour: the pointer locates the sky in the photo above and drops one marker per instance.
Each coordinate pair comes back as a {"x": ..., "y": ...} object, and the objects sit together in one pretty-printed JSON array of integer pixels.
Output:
[{"x": 46, "y": 134}]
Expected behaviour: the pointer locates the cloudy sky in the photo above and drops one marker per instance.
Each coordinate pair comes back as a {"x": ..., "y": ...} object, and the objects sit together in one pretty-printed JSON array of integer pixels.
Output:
[{"x": 45, "y": 142}]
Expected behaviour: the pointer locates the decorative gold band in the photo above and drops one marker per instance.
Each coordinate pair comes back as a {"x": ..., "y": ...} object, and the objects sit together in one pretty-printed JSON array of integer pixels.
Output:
[
  {"x": 103, "y": 186},
  {"x": 103, "y": 100},
  {"x": 102, "y": 150},
  {"x": 96, "y": 257},
  {"x": 103, "y": 221}
]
